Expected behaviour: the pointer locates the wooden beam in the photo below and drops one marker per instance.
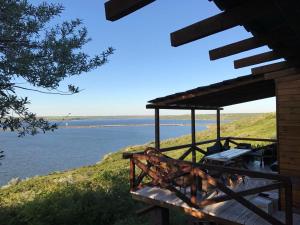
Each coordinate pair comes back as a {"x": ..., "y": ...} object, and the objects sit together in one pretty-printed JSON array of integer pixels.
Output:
[
  {"x": 256, "y": 59},
  {"x": 282, "y": 73},
  {"x": 181, "y": 107},
  {"x": 270, "y": 68},
  {"x": 116, "y": 9},
  {"x": 235, "y": 48},
  {"x": 220, "y": 22}
]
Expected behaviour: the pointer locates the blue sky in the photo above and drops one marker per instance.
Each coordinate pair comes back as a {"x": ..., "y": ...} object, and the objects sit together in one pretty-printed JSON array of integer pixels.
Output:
[{"x": 144, "y": 66}]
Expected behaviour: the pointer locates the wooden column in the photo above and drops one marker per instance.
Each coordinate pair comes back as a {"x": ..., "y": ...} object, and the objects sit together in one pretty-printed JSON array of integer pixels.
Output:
[
  {"x": 193, "y": 126},
  {"x": 159, "y": 216},
  {"x": 218, "y": 126},
  {"x": 132, "y": 175},
  {"x": 157, "y": 130}
]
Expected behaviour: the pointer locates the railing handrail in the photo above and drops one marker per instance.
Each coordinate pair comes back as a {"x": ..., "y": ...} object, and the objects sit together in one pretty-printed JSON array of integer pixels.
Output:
[
  {"x": 250, "y": 173},
  {"x": 126, "y": 155}
]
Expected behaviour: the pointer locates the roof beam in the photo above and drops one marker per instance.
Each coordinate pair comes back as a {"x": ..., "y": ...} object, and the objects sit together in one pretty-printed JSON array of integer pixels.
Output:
[
  {"x": 282, "y": 73},
  {"x": 116, "y": 9},
  {"x": 256, "y": 59},
  {"x": 169, "y": 100},
  {"x": 220, "y": 22},
  {"x": 270, "y": 68},
  {"x": 235, "y": 48},
  {"x": 188, "y": 107}
]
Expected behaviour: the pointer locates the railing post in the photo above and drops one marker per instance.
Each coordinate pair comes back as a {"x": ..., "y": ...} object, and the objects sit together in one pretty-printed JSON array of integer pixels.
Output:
[
  {"x": 288, "y": 195},
  {"x": 157, "y": 129},
  {"x": 193, "y": 131},
  {"x": 218, "y": 126},
  {"x": 194, "y": 187},
  {"x": 132, "y": 175}
]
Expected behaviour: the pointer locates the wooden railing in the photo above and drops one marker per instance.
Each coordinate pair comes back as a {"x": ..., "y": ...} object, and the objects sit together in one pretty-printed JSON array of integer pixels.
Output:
[
  {"x": 156, "y": 169},
  {"x": 194, "y": 148}
]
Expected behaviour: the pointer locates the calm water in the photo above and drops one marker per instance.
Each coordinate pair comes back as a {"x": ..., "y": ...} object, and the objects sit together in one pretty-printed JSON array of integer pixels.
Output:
[{"x": 78, "y": 146}]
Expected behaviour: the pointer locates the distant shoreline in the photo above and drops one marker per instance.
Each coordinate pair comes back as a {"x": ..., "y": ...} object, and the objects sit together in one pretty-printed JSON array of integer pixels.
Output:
[
  {"x": 225, "y": 116},
  {"x": 125, "y": 125}
]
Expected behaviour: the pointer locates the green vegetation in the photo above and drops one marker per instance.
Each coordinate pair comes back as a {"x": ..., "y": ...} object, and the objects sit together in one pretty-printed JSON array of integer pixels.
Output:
[
  {"x": 225, "y": 116},
  {"x": 99, "y": 194}
]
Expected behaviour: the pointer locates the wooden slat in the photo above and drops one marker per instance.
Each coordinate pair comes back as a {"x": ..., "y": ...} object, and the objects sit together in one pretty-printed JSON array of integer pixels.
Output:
[
  {"x": 235, "y": 48},
  {"x": 116, "y": 9},
  {"x": 256, "y": 59},
  {"x": 220, "y": 22}
]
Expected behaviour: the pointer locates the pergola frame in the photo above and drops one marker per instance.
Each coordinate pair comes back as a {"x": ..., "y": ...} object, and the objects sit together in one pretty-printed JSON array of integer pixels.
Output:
[
  {"x": 281, "y": 34},
  {"x": 193, "y": 146}
]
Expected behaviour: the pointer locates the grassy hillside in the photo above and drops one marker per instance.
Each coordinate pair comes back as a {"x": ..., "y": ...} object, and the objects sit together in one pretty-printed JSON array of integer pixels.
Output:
[
  {"x": 98, "y": 194},
  {"x": 225, "y": 116}
]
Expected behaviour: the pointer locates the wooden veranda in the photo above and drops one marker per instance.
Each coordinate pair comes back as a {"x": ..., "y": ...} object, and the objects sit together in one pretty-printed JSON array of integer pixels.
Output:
[
  {"x": 162, "y": 190},
  {"x": 271, "y": 23}
]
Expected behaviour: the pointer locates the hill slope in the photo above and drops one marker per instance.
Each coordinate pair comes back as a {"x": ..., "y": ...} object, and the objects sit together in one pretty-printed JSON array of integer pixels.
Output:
[{"x": 98, "y": 194}]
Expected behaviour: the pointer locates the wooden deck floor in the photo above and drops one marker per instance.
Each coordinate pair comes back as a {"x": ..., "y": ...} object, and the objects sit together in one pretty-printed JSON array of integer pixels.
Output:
[{"x": 230, "y": 211}]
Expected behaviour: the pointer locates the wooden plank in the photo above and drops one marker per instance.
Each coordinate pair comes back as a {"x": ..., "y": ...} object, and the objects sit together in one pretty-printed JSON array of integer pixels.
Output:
[
  {"x": 282, "y": 73},
  {"x": 270, "y": 68},
  {"x": 116, "y": 9},
  {"x": 256, "y": 59},
  {"x": 235, "y": 48},
  {"x": 220, "y": 22}
]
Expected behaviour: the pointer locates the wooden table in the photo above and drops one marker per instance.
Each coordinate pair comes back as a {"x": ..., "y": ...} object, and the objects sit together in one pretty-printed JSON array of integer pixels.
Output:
[{"x": 227, "y": 155}]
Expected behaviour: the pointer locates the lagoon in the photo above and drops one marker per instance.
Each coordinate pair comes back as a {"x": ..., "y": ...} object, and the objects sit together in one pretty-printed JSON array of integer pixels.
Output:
[{"x": 79, "y": 143}]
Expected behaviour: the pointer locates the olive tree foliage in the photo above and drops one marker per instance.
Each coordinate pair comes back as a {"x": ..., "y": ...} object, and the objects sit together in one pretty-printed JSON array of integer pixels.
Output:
[{"x": 41, "y": 54}]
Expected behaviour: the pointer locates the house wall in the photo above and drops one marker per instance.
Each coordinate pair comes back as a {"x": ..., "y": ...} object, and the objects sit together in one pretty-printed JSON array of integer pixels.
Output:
[{"x": 288, "y": 130}]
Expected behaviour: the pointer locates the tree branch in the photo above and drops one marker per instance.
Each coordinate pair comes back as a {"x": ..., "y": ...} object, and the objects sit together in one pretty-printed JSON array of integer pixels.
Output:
[{"x": 46, "y": 92}]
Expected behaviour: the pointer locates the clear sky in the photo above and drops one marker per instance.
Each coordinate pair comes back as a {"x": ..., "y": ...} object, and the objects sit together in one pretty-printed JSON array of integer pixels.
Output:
[{"x": 144, "y": 66}]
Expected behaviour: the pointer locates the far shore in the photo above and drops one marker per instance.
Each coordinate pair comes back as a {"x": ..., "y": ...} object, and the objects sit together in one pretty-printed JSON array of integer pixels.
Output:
[
  {"x": 225, "y": 116},
  {"x": 125, "y": 125}
]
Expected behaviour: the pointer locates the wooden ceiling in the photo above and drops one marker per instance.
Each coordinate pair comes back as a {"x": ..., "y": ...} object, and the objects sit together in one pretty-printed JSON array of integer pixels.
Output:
[{"x": 272, "y": 23}]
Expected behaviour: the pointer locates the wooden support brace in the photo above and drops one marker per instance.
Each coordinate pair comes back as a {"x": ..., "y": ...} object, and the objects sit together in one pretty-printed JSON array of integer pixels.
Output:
[{"x": 184, "y": 155}]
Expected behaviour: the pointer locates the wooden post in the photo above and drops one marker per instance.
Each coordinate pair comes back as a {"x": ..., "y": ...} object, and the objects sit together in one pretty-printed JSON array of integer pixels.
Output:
[
  {"x": 159, "y": 216},
  {"x": 132, "y": 175},
  {"x": 288, "y": 204},
  {"x": 193, "y": 126},
  {"x": 218, "y": 126},
  {"x": 157, "y": 130}
]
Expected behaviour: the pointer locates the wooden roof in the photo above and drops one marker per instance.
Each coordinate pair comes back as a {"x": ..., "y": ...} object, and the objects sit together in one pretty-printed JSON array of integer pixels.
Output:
[
  {"x": 228, "y": 92},
  {"x": 273, "y": 23}
]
